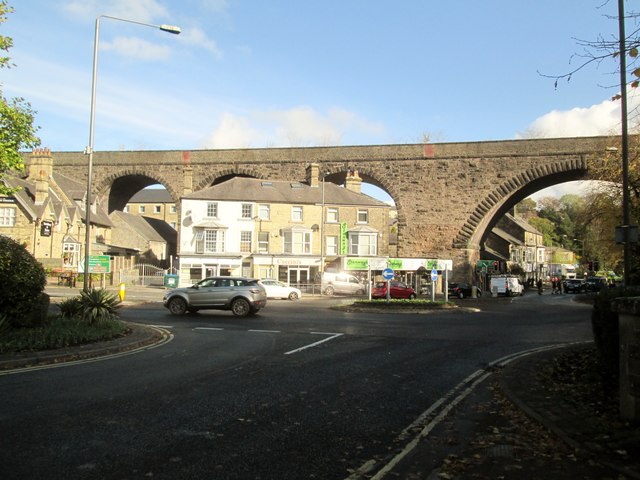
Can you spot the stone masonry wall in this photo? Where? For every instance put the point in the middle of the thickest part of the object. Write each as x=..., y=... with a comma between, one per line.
x=447, y=195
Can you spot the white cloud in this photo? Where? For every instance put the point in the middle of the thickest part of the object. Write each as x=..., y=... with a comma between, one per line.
x=600, y=119
x=300, y=126
x=216, y=5
x=233, y=132
x=137, y=48
x=197, y=37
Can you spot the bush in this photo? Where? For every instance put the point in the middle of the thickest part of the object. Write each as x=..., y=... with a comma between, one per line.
x=39, y=316
x=70, y=308
x=98, y=306
x=22, y=280
x=62, y=332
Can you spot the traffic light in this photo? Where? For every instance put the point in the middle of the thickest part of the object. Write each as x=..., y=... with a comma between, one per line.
x=596, y=265
x=496, y=265
x=590, y=266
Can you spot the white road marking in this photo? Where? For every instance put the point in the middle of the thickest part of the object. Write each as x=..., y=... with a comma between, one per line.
x=333, y=335
x=208, y=328
x=265, y=331
x=438, y=413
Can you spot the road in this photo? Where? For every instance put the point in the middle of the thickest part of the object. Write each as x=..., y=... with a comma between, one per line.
x=299, y=391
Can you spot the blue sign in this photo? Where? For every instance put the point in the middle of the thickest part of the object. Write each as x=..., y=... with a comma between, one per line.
x=434, y=275
x=387, y=273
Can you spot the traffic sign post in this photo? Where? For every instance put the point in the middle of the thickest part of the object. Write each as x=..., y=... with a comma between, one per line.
x=387, y=274
x=434, y=280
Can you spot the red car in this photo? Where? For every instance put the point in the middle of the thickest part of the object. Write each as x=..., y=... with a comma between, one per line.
x=398, y=290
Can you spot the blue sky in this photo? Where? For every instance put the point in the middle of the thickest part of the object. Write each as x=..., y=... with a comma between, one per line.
x=251, y=73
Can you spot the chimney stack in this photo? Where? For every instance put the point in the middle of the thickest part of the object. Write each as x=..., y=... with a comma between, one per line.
x=40, y=172
x=313, y=175
x=354, y=182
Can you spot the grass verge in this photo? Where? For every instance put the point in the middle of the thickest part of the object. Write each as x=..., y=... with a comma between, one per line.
x=60, y=333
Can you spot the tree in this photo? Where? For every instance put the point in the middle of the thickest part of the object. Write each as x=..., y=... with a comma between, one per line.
x=601, y=49
x=527, y=209
x=17, y=131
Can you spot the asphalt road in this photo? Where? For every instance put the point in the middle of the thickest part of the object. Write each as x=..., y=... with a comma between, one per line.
x=299, y=391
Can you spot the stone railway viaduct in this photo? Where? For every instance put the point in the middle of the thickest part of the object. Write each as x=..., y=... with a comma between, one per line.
x=448, y=195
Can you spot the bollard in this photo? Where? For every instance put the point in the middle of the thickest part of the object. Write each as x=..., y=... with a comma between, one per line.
x=122, y=290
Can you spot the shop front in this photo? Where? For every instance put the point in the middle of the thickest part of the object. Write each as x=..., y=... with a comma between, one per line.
x=194, y=269
x=296, y=271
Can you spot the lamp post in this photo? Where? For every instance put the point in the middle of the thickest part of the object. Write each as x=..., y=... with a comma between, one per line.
x=89, y=149
x=625, y=145
x=581, y=247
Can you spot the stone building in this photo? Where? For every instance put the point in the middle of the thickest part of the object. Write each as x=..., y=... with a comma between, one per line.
x=154, y=203
x=46, y=214
x=518, y=246
x=279, y=229
x=152, y=241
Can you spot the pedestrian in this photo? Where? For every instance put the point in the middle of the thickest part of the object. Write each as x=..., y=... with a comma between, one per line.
x=539, y=285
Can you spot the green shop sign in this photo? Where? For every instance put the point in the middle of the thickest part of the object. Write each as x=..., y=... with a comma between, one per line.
x=344, y=241
x=357, y=264
x=395, y=263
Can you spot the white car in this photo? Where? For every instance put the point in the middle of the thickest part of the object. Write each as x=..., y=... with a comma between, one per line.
x=278, y=289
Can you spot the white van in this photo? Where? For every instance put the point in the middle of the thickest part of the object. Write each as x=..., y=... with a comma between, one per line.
x=506, y=285
x=341, y=283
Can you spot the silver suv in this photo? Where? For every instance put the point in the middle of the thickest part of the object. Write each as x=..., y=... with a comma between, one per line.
x=243, y=296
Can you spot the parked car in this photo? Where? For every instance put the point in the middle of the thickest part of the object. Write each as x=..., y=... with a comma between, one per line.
x=243, y=296
x=398, y=290
x=574, y=285
x=595, y=284
x=278, y=289
x=461, y=290
x=343, y=283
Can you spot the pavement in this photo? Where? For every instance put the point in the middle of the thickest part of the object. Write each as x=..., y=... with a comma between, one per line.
x=510, y=425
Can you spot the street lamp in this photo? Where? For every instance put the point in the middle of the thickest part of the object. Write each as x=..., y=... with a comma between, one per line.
x=89, y=149
x=581, y=247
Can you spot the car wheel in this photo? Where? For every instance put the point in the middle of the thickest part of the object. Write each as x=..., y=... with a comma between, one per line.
x=460, y=295
x=412, y=296
x=293, y=296
x=240, y=307
x=177, y=306
x=329, y=290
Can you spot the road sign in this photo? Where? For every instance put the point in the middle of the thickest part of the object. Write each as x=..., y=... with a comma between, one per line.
x=99, y=264
x=387, y=273
x=434, y=275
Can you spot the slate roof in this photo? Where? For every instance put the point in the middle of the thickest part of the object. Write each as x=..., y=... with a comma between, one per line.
x=152, y=195
x=151, y=229
x=59, y=196
x=281, y=191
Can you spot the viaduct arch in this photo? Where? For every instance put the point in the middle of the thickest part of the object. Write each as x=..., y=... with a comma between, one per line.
x=448, y=195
